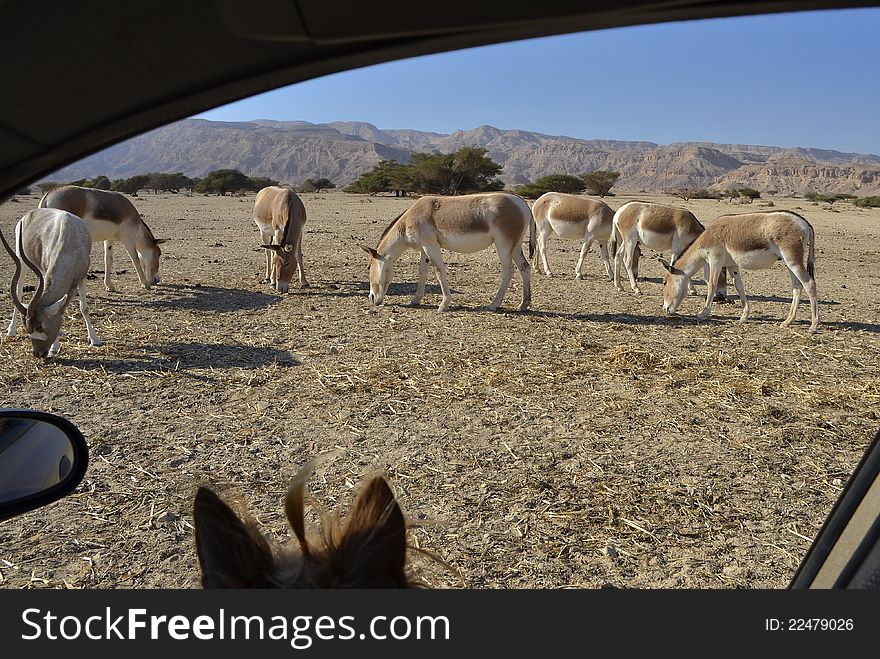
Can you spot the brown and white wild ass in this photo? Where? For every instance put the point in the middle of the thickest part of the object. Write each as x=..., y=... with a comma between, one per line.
x=750, y=241
x=281, y=217
x=110, y=216
x=659, y=227
x=573, y=218
x=465, y=224
x=56, y=246
x=369, y=551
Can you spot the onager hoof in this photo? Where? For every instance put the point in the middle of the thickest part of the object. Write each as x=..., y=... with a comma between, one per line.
x=578, y=276
x=524, y=306
x=703, y=315
x=97, y=343
x=443, y=307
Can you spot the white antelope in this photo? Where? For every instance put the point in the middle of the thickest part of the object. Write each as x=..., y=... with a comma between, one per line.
x=110, y=216
x=573, y=218
x=281, y=217
x=56, y=246
x=659, y=227
x=750, y=241
x=465, y=224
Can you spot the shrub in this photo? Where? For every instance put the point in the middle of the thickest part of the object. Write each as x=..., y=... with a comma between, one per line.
x=552, y=183
x=600, y=182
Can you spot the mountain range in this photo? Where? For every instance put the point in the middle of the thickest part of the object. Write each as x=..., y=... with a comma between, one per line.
x=291, y=151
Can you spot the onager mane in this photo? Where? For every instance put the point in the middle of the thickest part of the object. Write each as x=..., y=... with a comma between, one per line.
x=368, y=550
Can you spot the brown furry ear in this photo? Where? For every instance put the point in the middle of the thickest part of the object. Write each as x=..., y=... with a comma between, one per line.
x=372, y=551
x=232, y=554
x=671, y=269
x=372, y=252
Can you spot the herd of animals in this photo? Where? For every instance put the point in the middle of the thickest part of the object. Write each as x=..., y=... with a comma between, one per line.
x=54, y=241
x=369, y=550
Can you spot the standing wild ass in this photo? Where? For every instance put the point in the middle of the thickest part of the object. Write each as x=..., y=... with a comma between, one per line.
x=573, y=218
x=465, y=224
x=281, y=217
x=659, y=227
x=750, y=241
x=110, y=216
x=56, y=246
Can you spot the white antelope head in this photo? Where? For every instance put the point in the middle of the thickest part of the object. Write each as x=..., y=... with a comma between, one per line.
x=43, y=323
x=675, y=287
x=381, y=270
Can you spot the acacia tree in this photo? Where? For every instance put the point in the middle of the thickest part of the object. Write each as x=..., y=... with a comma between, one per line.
x=600, y=182
x=552, y=183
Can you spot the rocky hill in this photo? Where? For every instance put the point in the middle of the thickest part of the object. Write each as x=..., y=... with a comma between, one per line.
x=290, y=151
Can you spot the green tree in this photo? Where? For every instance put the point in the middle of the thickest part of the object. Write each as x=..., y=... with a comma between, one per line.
x=130, y=185
x=316, y=185
x=222, y=181
x=600, y=182
x=46, y=186
x=551, y=183
x=867, y=202
x=694, y=193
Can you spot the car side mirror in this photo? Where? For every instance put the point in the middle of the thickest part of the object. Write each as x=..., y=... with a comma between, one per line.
x=43, y=457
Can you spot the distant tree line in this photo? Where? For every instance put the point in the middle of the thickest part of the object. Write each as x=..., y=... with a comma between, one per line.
x=220, y=181
x=315, y=185
x=597, y=183
x=467, y=170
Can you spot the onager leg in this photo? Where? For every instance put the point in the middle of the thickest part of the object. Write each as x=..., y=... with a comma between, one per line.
x=423, y=274
x=712, y=287
x=628, y=263
x=108, y=265
x=13, y=324
x=585, y=248
x=432, y=251
x=84, y=310
x=136, y=262
x=618, y=255
x=800, y=276
x=525, y=270
x=603, y=250
x=740, y=289
x=543, y=235
x=505, y=257
x=300, y=264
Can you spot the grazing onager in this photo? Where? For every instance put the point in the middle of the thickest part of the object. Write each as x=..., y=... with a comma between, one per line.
x=370, y=551
x=573, y=218
x=110, y=216
x=659, y=227
x=56, y=246
x=465, y=224
x=750, y=241
x=281, y=217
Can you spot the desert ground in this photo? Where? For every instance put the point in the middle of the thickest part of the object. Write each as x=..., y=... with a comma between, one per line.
x=590, y=442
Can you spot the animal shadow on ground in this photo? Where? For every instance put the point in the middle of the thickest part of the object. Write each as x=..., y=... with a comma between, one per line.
x=213, y=298
x=184, y=357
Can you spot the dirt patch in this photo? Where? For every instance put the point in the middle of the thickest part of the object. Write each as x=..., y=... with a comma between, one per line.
x=590, y=442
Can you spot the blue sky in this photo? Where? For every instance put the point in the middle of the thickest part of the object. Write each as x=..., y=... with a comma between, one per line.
x=803, y=79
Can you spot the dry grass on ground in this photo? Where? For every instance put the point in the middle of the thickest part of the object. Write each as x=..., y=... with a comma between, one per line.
x=590, y=442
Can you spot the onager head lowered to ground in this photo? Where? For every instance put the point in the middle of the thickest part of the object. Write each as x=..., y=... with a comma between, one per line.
x=465, y=224
x=368, y=551
x=281, y=217
x=110, y=216
x=56, y=246
x=751, y=241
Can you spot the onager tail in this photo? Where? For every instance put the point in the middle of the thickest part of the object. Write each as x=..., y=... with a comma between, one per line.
x=42, y=203
x=811, y=258
x=532, y=237
x=614, y=234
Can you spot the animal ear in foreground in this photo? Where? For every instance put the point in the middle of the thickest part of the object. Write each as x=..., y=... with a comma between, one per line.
x=372, y=252
x=367, y=551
